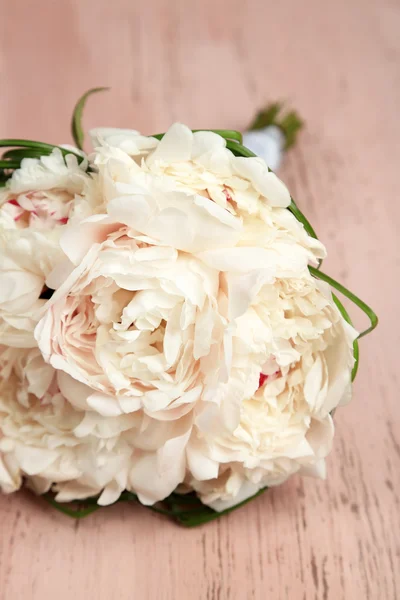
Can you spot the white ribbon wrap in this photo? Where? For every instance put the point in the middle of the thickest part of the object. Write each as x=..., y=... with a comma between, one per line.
x=269, y=143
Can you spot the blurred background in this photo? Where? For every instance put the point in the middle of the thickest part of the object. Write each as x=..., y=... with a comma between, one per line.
x=214, y=63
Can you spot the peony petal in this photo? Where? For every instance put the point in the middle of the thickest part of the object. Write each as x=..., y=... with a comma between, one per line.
x=320, y=436
x=243, y=288
x=317, y=469
x=279, y=261
x=206, y=141
x=34, y=460
x=201, y=466
x=74, y=490
x=9, y=482
x=110, y=494
x=247, y=490
x=128, y=140
x=264, y=181
x=154, y=476
x=313, y=383
x=175, y=146
x=104, y=405
x=172, y=343
x=177, y=221
x=77, y=240
x=75, y=392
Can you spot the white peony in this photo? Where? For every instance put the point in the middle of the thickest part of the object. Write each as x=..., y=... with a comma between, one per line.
x=286, y=426
x=134, y=323
x=52, y=444
x=45, y=439
x=34, y=207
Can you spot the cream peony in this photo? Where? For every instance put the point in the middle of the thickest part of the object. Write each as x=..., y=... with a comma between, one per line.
x=190, y=192
x=286, y=426
x=134, y=323
x=52, y=444
x=34, y=207
x=185, y=342
x=45, y=439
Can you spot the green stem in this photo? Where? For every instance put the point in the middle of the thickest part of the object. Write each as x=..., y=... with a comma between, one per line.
x=239, y=149
x=75, y=514
x=76, y=124
x=42, y=146
x=10, y=164
x=208, y=514
x=20, y=153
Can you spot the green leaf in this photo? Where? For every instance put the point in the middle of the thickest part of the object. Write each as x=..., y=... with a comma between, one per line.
x=239, y=149
x=290, y=124
x=71, y=512
x=186, y=509
x=76, y=124
x=228, y=134
x=9, y=164
x=199, y=514
x=266, y=117
x=3, y=178
x=20, y=153
x=45, y=149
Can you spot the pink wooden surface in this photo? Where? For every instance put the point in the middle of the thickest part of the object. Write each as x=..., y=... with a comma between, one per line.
x=212, y=64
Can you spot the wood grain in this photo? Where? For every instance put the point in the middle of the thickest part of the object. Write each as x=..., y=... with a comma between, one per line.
x=212, y=64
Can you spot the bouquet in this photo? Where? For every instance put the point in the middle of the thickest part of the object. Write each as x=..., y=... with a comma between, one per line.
x=167, y=334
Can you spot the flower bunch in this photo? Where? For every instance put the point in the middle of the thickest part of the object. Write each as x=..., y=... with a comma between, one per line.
x=166, y=332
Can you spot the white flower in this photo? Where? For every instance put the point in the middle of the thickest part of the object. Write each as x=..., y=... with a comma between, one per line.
x=196, y=163
x=56, y=446
x=286, y=426
x=45, y=439
x=190, y=192
x=34, y=208
x=132, y=322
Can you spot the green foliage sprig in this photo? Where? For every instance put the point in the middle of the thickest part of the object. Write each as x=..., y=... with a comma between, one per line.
x=289, y=123
x=76, y=124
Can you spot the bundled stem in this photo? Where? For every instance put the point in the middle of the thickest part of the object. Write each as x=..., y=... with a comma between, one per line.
x=290, y=124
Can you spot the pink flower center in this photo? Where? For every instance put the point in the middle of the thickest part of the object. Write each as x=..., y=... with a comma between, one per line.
x=264, y=378
x=227, y=195
x=38, y=209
